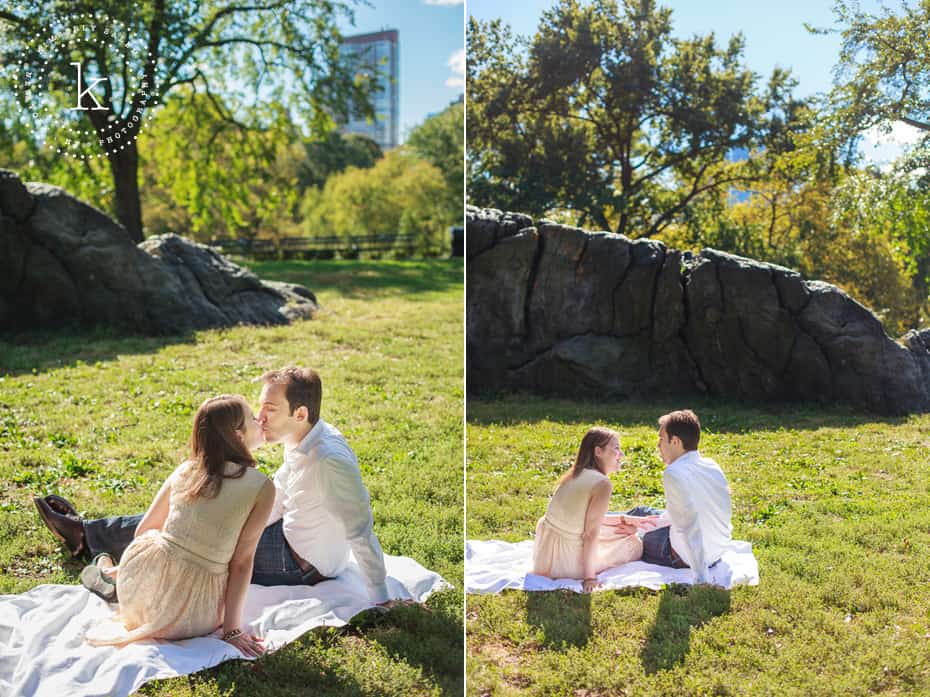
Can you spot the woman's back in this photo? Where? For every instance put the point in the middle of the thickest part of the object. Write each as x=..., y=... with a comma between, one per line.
x=558, y=551
x=209, y=527
x=569, y=503
x=172, y=582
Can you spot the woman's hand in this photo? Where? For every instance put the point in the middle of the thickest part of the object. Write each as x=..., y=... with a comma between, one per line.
x=648, y=522
x=590, y=584
x=248, y=644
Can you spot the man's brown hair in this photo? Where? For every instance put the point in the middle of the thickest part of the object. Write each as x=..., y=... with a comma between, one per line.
x=684, y=424
x=302, y=387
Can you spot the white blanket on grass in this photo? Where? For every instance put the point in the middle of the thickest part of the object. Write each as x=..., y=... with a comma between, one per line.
x=492, y=566
x=42, y=652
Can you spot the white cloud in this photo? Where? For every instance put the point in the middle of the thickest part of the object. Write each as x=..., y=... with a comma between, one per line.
x=457, y=64
x=882, y=149
x=445, y=2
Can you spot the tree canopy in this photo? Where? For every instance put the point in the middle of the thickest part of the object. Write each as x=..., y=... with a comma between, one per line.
x=605, y=113
x=883, y=72
x=135, y=54
x=402, y=193
x=440, y=140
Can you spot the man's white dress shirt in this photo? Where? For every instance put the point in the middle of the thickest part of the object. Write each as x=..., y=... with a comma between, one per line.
x=698, y=509
x=327, y=509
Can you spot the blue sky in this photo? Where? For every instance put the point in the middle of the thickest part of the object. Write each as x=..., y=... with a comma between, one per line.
x=774, y=33
x=432, y=51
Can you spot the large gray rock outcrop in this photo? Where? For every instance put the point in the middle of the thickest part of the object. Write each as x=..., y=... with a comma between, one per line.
x=559, y=310
x=63, y=261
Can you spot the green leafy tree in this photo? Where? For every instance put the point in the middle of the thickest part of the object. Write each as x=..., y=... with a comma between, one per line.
x=883, y=73
x=333, y=153
x=894, y=206
x=88, y=178
x=603, y=112
x=402, y=193
x=440, y=140
x=208, y=179
x=284, y=51
x=851, y=231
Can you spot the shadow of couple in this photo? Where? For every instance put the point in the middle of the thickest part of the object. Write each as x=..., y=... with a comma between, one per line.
x=565, y=621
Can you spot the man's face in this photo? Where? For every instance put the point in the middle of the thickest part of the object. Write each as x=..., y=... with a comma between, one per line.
x=278, y=424
x=667, y=450
x=252, y=434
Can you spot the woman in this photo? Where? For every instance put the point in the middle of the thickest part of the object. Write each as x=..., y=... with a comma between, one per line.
x=188, y=569
x=573, y=539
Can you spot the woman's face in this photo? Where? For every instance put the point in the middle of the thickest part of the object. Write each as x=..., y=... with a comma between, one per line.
x=610, y=456
x=251, y=429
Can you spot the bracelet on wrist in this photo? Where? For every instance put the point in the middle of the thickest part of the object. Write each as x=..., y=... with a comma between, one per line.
x=232, y=634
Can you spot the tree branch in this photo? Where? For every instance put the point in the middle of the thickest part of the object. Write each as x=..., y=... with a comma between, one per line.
x=204, y=33
x=13, y=19
x=922, y=125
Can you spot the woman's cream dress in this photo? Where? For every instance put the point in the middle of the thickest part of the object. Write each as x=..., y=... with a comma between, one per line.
x=172, y=582
x=558, y=549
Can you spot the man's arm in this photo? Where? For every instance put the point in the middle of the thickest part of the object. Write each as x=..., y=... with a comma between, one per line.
x=682, y=512
x=347, y=499
x=280, y=480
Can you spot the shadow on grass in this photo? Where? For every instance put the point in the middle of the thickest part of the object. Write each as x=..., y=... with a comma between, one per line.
x=717, y=415
x=681, y=608
x=412, y=635
x=417, y=635
x=563, y=616
x=289, y=671
x=356, y=279
x=40, y=350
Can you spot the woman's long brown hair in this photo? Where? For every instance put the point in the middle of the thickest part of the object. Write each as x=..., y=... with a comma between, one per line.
x=596, y=437
x=215, y=440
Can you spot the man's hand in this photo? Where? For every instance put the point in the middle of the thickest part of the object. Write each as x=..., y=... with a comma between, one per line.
x=623, y=529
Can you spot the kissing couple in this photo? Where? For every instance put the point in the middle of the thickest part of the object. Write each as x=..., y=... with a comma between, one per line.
x=578, y=538
x=218, y=523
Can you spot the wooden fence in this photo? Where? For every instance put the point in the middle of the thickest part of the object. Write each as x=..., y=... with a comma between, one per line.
x=316, y=247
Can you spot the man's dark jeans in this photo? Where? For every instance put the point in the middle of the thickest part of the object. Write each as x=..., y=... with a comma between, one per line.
x=657, y=547
x=274, y=563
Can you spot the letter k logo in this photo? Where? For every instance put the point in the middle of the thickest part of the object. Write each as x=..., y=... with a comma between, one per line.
x=88, y=92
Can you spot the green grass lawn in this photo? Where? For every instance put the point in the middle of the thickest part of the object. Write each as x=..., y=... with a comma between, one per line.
x=834, y=502
x=102, y=418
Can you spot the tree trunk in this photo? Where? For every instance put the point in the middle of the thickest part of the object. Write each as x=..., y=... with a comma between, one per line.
x=124, y=166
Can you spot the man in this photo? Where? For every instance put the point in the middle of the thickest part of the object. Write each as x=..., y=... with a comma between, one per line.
x=321, y=510
x=695, y=528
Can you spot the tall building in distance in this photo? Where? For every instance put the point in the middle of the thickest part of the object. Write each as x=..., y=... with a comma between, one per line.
x=378, y=52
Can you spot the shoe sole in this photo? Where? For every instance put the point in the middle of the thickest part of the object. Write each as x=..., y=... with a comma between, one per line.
x=92, y=580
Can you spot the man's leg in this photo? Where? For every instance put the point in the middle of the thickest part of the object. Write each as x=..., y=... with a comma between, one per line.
x=657, y=547
x=110, y=535
x=275, y=565
x=641, y=511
